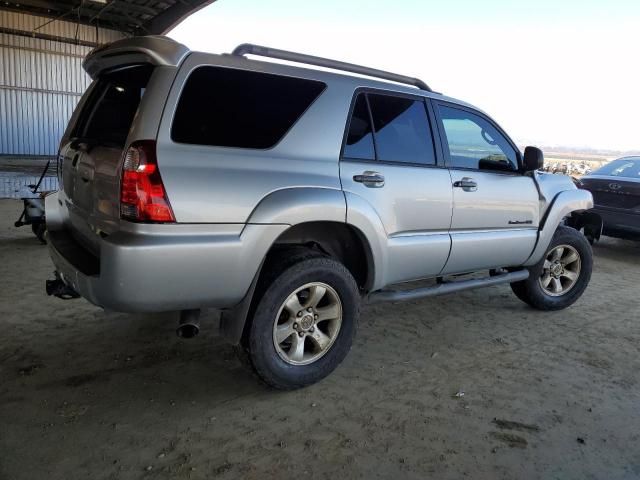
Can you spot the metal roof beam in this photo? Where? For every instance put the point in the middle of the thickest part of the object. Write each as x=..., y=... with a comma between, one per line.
x=60, y=7
x=118, y=15
x=133, y=7
x=169, y=18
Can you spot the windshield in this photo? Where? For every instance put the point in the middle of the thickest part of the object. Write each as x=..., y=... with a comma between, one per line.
x=623, y=167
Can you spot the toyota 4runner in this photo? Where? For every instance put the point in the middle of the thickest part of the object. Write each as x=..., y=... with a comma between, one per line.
x=286, y=197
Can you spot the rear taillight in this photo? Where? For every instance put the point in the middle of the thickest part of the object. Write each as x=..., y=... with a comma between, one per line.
x=142, y=194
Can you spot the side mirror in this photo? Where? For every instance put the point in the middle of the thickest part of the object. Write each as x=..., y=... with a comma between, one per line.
x=533, y=159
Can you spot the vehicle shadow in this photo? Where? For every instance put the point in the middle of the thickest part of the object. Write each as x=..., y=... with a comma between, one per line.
x=616, y=249
x=27, y=241
x=118, y=356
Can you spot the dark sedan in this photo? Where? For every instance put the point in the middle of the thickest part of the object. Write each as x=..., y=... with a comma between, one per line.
x=616, y=196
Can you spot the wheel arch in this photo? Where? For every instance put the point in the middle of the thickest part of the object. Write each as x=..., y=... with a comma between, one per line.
x=339, y=240
x=302, y=208
x=565, y=204
x=328, y=234
x=292, y=206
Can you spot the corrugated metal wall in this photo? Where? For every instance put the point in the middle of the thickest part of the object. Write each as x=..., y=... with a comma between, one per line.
x=40, y=81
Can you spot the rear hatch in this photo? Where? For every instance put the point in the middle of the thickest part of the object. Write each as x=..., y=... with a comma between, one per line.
x=613, y=192
x=91, y=154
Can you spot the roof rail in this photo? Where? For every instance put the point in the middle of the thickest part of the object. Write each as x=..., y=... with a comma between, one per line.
x=249, y=48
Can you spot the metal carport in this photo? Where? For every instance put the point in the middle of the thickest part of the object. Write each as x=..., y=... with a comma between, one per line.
x=42, y=44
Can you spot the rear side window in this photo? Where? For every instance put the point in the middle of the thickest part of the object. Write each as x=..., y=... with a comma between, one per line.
x=397, y=130
x=109, y=111
x=475, y=143
x=237, y=108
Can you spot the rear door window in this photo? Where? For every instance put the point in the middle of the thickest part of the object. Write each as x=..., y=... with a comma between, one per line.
x=359, y=143
x=238, y=108
x=389, y=128
x=108, y=114
x=401, y=129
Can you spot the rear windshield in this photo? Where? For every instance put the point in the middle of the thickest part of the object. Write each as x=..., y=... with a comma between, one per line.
x=239, y=108
x=623, y=167
x=107, y=116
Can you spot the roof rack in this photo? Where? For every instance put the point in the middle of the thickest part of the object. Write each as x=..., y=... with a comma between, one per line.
x=249, y=48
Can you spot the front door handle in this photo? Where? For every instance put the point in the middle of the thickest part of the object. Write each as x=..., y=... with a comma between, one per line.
x=467, y=184
x=370, y=179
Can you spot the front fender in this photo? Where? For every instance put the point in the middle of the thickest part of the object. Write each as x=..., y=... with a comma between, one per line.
x=563, y=205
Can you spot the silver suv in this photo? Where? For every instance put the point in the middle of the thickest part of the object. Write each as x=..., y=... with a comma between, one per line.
x=286, y=197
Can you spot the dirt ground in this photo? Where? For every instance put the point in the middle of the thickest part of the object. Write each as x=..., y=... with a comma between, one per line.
x=85, y=394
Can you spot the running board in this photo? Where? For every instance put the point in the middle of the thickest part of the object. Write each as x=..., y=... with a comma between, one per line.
x=446, y=287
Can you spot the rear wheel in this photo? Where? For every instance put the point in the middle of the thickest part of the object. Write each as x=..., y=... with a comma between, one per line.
x=303, y=323
x=562, y=275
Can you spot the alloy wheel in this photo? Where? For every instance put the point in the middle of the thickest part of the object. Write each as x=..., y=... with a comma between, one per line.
x=307, y=324
x=560, y=271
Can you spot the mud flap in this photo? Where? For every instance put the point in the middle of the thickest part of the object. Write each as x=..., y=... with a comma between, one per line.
x=233, y=320
x=589, y=222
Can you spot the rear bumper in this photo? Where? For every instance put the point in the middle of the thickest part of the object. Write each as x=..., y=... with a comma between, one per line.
x=617, y=222
x=154, y=268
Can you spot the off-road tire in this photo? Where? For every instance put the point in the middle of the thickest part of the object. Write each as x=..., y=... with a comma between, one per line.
x=530, y=290
x=277, y=283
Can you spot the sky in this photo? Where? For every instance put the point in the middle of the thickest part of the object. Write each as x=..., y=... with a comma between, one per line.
x=550, y=72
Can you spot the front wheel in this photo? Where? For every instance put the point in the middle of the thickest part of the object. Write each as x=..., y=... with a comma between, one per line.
x=304, y=323
x=562, y=275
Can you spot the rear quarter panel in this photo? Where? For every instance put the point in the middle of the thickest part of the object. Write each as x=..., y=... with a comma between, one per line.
x=208, y=184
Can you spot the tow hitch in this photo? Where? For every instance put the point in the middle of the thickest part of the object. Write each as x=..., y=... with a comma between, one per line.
x=59, y=289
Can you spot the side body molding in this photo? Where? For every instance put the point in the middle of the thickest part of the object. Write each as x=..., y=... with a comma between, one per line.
x=563, y=204
x=292, y=206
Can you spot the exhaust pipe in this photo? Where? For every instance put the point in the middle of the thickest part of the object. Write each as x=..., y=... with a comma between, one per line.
x=189, y=325
x=59, y=289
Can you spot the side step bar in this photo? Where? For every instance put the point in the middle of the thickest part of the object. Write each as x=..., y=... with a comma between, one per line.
x=446, y=287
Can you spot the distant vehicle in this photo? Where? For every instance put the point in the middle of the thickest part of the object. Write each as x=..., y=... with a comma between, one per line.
x=616, y=195
x=571, y=168
x=582, y=169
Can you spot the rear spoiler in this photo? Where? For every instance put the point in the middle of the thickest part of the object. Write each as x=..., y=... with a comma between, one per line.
x=156, y=50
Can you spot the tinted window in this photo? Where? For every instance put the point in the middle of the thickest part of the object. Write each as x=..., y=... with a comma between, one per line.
x=108, y=114
x=237, y=108
x=475, y=143
x=401, y=128
x=359, y=142
x=623, y=167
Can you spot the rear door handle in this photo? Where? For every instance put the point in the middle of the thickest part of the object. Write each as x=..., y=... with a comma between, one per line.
x=467, y=184
x=370, y=179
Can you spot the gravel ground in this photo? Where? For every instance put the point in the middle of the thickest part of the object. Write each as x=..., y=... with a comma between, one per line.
x=86, y=394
